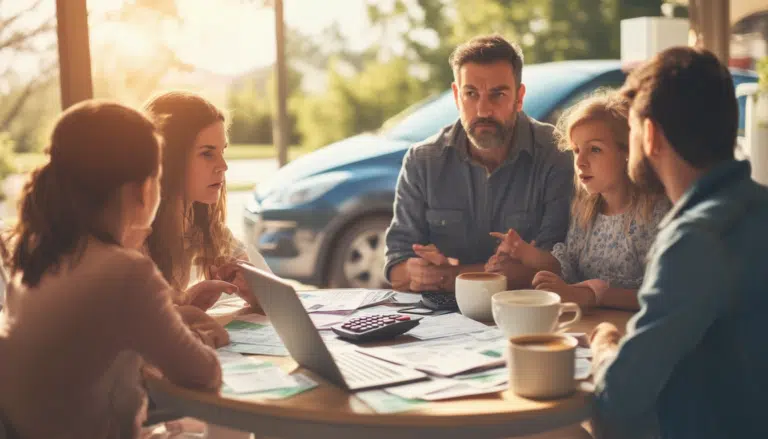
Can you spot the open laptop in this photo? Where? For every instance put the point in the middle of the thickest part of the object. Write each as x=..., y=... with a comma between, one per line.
x=345, y=368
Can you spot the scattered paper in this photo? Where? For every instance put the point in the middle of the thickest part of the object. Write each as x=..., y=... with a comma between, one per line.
x=406, y=298
x=229, y=358
x=326, y=321
x=421, y=388
x=252, y=333
x=376, y=297
x=254, y=349
x=581, y=337
x=583, y=369
x=333, y=342
x=227, y=306
x=245, y=378
x=440, y=361
x=303, y=383
x=462, y=390
x=486, y=379
x=583, y=352
x=489, y=334
x=383, y=402
x=446, y=326
x=333, y=300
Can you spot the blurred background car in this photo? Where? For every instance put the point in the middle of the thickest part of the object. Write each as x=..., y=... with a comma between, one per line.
x=322, y=219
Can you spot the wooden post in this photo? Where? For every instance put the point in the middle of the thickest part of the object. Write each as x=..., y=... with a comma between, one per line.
x=710, y=20
x=74, y=52
x=280, y=120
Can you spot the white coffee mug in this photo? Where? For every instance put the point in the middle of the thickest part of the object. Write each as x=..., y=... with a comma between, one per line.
x=474, y=292
x=542, y=365
x=521, y=312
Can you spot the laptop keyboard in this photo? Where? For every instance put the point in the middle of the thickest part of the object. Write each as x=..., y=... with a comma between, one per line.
x=359, y=368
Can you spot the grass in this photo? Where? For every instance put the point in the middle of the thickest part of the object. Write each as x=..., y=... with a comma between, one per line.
x=28, y=161
x=240, y=186
x=243, y=151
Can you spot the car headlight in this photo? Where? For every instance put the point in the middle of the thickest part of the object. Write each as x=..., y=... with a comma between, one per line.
x=306, y=190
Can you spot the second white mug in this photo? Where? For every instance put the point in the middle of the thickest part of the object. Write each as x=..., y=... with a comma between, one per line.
x=521, y=312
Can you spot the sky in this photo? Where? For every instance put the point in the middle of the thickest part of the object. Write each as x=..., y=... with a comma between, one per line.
x=227, y=37
x=233, y=36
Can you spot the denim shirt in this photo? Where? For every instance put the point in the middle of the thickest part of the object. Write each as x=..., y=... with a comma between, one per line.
x=695, y=358
x=445, y=198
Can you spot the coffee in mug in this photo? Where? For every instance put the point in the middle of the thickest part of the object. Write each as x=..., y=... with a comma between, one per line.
x=521, y=312
x=474, y=292
x=542, y=365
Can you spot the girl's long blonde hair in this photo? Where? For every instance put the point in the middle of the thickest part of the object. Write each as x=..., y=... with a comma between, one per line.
x=610, y=108
x=185, y=233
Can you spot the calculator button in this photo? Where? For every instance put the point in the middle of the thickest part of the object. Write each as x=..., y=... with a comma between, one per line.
x=403, y=318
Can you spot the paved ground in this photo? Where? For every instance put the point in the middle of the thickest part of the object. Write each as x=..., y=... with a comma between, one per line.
x=240, y=171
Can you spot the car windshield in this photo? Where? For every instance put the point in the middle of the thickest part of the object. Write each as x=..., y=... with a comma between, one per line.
x=546, y=85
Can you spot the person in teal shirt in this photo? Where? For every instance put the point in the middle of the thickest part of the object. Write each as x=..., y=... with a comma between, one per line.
x=694, y=360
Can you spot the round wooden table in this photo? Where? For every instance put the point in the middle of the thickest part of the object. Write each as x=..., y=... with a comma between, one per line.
x=328, y=411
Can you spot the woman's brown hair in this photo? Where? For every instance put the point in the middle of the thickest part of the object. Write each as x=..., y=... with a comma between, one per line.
x=184, y=233
x=96, y=147
x=610, y=108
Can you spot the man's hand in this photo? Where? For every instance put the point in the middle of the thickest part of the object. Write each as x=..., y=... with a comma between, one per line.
x=582, y=296
x=433, y=255
x=205, y=293
x=208, y=329
x=604, y=342
x=426, y=276
x=604, y=336
x=432, y=270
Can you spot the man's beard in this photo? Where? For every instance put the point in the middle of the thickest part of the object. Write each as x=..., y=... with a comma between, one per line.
x=498, y=138
x=644, y=176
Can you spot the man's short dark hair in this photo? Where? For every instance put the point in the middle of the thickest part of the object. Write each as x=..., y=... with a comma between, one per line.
x=486, y=50
x=690, y=95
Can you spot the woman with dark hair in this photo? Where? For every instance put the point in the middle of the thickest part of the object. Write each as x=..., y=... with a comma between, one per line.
x=83, y=306
x=190, y=241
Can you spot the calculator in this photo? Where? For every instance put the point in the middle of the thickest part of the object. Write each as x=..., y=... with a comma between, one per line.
x=439, y=301
x=375, y=327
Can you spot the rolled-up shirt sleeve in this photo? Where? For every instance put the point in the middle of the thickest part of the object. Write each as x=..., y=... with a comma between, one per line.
x=685, y=289
x=558, y=192
x=408, y=225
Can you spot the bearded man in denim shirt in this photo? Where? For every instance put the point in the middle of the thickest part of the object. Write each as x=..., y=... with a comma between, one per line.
x=694, y=361
x=494, y=169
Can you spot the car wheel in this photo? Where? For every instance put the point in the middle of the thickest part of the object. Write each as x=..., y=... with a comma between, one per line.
x=358, y=259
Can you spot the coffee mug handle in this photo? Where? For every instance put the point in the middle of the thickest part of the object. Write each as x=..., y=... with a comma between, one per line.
x=568, y=307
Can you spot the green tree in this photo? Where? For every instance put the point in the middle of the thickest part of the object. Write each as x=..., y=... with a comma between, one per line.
x=359, y=102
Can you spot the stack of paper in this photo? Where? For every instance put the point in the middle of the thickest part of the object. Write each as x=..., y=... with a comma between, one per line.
x=440, y=360
x=384, y=402
x=247, y=375
x=343, y=300
x=248, y=337
x=445, y=326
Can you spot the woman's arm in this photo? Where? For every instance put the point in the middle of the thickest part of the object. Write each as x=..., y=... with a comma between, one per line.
x=157, y=332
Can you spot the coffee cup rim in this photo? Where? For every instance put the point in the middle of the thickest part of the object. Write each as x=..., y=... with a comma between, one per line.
x=568, y=339
x=484, y=273
x=497, y=298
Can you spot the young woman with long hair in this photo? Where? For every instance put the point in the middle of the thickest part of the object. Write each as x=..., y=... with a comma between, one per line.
x=190, y=241
x=84, y=308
